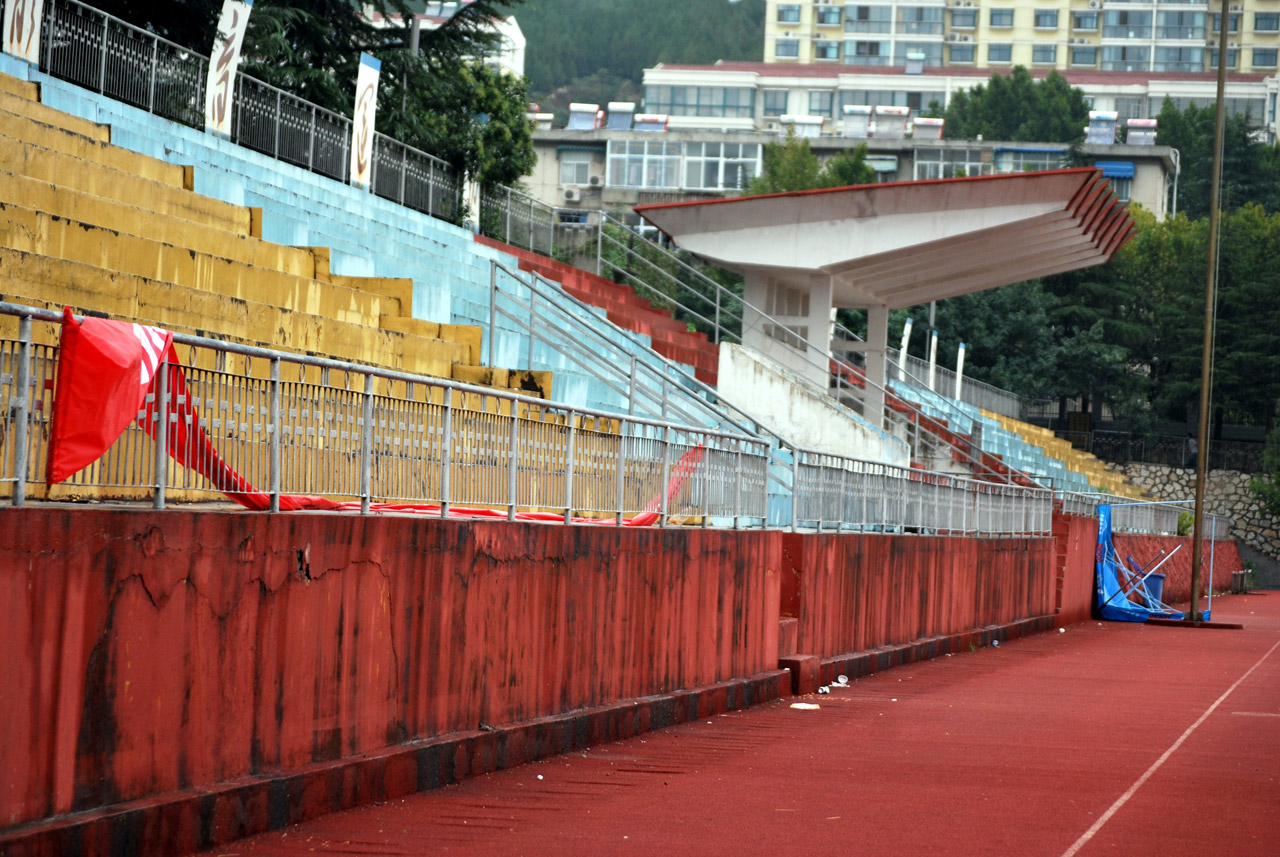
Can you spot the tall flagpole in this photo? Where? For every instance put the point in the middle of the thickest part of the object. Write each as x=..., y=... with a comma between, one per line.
x=1210, y=289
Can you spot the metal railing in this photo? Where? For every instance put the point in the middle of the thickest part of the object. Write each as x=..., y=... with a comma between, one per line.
x=294, y=424
x=837, y=492
x=1170, y=450
x=97, y=51
x=1152, y=518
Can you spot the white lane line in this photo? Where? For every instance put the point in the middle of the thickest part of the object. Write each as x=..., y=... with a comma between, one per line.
x=1155, y=766
x=1256, y=713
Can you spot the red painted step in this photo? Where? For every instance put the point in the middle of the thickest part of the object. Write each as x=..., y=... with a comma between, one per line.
x=669, y=337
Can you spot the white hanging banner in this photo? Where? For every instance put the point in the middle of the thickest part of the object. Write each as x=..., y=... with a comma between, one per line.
x=22, y=29
x=224, y=59
x=362, y=124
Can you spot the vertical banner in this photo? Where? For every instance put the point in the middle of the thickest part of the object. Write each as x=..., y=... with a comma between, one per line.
x=362, y=122
x=22, y=29
x=224, y=59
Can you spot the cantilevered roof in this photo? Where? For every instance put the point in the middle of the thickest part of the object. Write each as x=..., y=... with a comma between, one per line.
x=905, y=243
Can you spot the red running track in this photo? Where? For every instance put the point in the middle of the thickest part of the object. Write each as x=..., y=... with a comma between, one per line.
x=1105, y=739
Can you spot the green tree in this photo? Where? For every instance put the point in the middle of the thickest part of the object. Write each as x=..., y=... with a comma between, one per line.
x=791, y=165
x=1266, y=485
x=1250, y=169
x=1017, y=107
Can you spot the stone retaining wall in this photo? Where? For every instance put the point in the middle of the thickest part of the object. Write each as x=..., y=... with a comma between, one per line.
x=1227, y=493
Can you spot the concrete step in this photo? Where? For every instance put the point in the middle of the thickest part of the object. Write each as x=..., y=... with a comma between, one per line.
x=71, y=172
x=28, y=277
x=33, y=109
x=17, y=86
x=48, y=235
x=87, y=148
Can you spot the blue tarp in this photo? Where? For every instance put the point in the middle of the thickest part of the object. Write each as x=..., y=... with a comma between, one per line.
x=1111, y=577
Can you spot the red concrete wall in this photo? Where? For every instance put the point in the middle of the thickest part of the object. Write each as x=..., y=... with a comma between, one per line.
x=1177, y=571
x=851, y=593
x=145, y=652
x=1076, y=543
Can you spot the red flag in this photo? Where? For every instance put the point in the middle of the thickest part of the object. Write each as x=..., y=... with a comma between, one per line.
x=104, y=371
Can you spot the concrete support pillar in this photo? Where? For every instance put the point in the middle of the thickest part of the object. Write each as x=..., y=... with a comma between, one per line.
x=877, y=349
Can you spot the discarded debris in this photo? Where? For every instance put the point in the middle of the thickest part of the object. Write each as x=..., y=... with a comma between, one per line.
x=806, y=706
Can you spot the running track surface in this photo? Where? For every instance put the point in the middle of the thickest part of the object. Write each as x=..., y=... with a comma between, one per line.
x=1105, y=739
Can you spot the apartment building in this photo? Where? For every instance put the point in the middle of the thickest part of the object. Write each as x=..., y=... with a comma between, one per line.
x=743, y=96
x=1101, y=35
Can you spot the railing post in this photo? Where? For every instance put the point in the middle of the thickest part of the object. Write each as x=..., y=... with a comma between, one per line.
x=533, y=319
x=274, y=427
x=275, y=143
x=506, y=208
x=493, y=307
x=666, y=476
x=795, y=489
x=446, y=452
x=568, y=470
x=311, y=141
x=102, y=66
x=715, y=333
x=600, y=244
x=404, y=174
x=620, y=474
x=161, y=411
x=431, y=188
x=631, y=390
x=737, y=489
x=20, y=395
x=366, y=446
x=513, y=458
x=151, y=86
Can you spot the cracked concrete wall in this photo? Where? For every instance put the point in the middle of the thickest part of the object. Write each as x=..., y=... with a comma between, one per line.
x=147, y=652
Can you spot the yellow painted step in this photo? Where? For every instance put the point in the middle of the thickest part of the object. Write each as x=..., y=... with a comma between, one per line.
x=68, y=171
x=27, y=278
x=523, y=381
x=17, y=86
x=33, y=109
x=469, y=335
x=70, y=143
x=47, y=235
x=78, y=205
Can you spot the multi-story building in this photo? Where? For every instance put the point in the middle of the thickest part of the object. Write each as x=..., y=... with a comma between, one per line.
x=745, y=96
x=1099, y=35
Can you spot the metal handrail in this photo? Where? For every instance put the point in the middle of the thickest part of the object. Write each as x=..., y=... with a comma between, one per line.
x=167, y=79
x=419, y=439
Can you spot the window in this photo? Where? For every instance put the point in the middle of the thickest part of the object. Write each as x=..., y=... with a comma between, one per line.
x=1084, y=21
x=826, y=50
x=914, y=20
x=1044, y=54
x=1116, y=58
x=1002, y=18
x=964, y=19
x=647, y=163
x=1130, y=107
x=948, y=163
x=828, y=16
x=821, y=102
x=1046, y=19
x=1027, y=160
x=719, y=101
x=1126, y=25
x=1123, y=188
x=575, y=168
x=789, y=14
x=1266, y=22
x=866, y=53
x=1084, y=56
x=786, y=48
x=1264, y=57
x=720, y=166
x=932, y=52
x=961, y=53
x=999, y=53
x=1233, y=22
x=869, y=19
x=1179, y=59
x=1180, y=25
x=783, y=302
x=1233, y=58
x=775, y=102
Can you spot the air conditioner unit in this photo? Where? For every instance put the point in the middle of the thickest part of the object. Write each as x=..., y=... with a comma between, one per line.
x=965, y=37
x=572, y=194
x=1077, y=41
x=1237, y=7
x=596, y=181
x=1095, y=4
x=1232, y=45
x=953, y=37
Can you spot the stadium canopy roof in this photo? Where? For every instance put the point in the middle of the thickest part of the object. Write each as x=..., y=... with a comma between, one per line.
x=905, y=243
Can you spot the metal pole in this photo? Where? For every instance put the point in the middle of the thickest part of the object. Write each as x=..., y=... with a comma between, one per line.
x=620, y=475
x=513, y=454
x=631, y=392
x=366, y=447
x=533, y=320
x=493, y=305
x=446, y=452
x=737, y=490
x=20, y=395
x=568, y=470
x=274, y=428
x=795, y=489
x=161, y=411
x=666, y=476
x=102, y=66
x=1210, y=299
x=151, y=86
x=600, y=245
x=715, y=334
x=275, y=142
